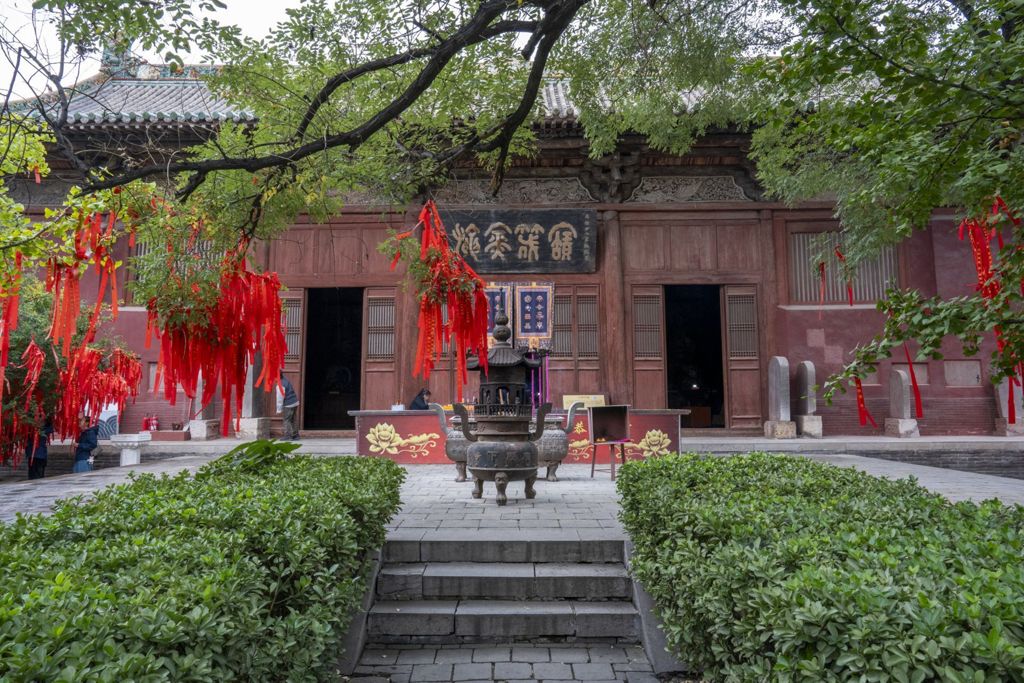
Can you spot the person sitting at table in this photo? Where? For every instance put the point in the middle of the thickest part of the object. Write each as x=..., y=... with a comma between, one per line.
x=421, y=400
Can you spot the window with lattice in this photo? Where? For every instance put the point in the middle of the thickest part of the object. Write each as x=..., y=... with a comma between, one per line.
x=871, y=277
x=380, y=328
x=647, y=333
x=575, y=327
x=291, y=315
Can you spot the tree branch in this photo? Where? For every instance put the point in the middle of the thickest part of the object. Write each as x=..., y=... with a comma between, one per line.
x=477, y=29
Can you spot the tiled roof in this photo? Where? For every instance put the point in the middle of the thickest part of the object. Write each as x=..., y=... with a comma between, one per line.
x=554, y=97
x=152, y=96
x=126, y=101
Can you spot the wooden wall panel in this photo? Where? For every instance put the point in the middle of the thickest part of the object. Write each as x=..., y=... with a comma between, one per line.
x=294, y=253
x=643, y=247
x=374, y=262
x=338, y=251
x=693, y=247
x=739, y=247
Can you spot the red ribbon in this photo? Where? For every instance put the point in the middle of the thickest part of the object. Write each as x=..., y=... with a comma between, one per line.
x=821, y=289
x=862, y=408
x=849, y=284
x=918, y=409
x=220, y=343
x=453, y=282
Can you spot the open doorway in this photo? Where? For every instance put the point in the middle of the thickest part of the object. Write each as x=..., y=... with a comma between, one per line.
x=334, y=354
x=693, y=358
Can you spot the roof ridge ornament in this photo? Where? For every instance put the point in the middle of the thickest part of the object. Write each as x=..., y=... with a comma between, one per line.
x=117, y=60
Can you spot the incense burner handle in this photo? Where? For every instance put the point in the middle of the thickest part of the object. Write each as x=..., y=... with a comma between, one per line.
x=573, y=409
x=441, y=417
x=538, y=428
x=461, y=411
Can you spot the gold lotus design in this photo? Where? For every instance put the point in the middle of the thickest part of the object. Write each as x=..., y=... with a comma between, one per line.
x=384, y=438
x=655, y=443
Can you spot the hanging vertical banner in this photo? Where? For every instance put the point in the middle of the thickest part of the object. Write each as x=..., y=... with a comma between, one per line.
x=534, y=309
x=498, y=294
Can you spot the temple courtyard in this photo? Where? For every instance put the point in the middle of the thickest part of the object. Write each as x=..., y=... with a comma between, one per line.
x=537, y=590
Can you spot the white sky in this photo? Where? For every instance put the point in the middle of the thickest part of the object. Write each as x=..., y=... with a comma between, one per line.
x=254, y=17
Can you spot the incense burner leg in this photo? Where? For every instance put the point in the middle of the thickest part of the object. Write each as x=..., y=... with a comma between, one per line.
x=530, y=491
x=552, y=468
x=478, y=487
x=460, y=468
x=500, y=482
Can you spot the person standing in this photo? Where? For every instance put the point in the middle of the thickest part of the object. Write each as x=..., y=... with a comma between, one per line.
x=88, y=440
x=36, y=450
x=289, y=405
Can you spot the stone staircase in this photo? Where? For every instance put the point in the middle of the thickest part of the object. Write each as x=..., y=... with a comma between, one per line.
x=493, y=590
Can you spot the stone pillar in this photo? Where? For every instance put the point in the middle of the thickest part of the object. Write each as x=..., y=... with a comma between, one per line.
x=253, y=424
x=900, y=423
x=779, y=425
x=206, y=426
x=131, y=446
x=1003, y=426
x=807, y=423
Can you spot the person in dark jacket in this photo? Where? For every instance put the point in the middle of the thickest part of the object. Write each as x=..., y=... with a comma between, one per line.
x=421, y=400
x=289, y=406
x=36, y=450
x=88, y=440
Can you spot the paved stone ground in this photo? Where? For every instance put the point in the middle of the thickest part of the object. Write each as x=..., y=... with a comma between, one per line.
x=953, y=484
x=432, y=501
x=576, y=504
x=39, y=495
x=512, y=663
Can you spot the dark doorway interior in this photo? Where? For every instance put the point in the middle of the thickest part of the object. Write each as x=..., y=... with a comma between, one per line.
x=693, y=346
x=334, y=337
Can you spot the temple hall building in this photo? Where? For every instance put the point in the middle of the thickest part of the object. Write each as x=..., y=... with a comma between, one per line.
x=674, y=278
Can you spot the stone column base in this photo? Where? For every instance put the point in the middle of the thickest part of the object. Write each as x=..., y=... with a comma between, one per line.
x=901, y=428
x=809, y=426
x=1005, y=428
x=253, y=428
x=779, y=430
x=204, y=430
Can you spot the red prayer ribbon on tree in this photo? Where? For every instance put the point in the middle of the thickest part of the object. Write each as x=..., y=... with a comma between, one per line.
x=862, y=407
x=849, y=284
x=221, y=344
x=980, y=233
x=821, y=289
x=452, y=282
x=918, y=408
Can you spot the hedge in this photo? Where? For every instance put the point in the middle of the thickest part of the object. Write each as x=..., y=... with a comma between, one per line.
x=777, y=568
x=249, y=571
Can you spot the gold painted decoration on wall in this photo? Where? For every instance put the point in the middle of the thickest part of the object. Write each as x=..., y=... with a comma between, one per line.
x=385, y=440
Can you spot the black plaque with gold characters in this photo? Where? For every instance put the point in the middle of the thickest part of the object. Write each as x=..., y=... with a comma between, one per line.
x=525, y=240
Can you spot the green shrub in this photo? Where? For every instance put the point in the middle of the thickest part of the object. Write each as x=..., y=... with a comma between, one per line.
x=241, y=573
x=776, y=568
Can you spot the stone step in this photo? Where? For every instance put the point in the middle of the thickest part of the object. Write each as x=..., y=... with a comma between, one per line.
x=514, y=581
x=504, y=547
x=455, y=621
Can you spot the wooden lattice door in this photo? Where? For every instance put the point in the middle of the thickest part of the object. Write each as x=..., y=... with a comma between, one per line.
x=742, y=356
x=648, y=343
